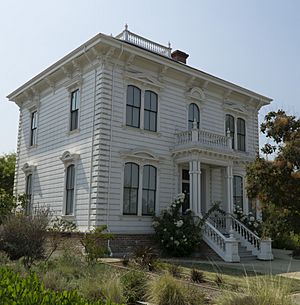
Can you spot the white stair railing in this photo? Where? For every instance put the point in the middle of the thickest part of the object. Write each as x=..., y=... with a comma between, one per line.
x=226, y=248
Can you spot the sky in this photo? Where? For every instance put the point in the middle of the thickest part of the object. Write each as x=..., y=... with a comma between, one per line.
x=254, y=43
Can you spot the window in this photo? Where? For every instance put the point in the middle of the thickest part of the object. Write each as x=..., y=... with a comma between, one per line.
x=150, y=111
x=149, y=190
x=238, y=191
x=33, y=128
x=229, y=125
x=70, y=186
x=74, y=110
x=133, y=106
x=194, y=115
x=241, y=134
x=28, y=194
x=131, y=188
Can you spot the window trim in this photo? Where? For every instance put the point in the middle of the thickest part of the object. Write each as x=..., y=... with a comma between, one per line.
x=149, y=189
x=71, y=189
x=235, y=141
x=188, y=114
x=150, y=110
x=239, y=134
x=33, y=130
x=68, y=159
x=242, y=196
x=143, y=88
x=29, y=193
x=77, y=110
x=137, y=189
x=141, y=162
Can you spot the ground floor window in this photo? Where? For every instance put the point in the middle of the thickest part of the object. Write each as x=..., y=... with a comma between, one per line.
x=133, y=185
x=28, y=193
x=238, y=191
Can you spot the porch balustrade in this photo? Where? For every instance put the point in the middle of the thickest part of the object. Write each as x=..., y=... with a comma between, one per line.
x=203, y=138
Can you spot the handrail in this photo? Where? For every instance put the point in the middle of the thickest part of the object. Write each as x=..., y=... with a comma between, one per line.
x=214, y=235
x=249, y=237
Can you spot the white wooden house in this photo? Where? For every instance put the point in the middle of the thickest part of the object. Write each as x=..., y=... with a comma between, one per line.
x=110, y=133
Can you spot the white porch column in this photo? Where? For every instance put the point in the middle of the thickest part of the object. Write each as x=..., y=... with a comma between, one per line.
x=195, y=186
x=229, y=189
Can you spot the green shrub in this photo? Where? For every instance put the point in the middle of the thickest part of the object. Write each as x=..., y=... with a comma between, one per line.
x=174, y=270
x=4, y=258
x=166, y=291
x=134, y=285
x=25, y=236
x=177, y=233
x=145, y=257
x=112, y=289
x=260, y=291
x=17, y=290
x=94, y=243
x=197, y=276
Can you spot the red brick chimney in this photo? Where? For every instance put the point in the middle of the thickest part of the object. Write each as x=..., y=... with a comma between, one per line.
x=179, y=56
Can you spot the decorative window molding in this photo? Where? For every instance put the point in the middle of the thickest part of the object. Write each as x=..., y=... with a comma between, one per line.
x=141, y=155
x=70, y=161
x=196, y=94
x=29, y=171
x=69, y=158
x=235, y=108
x=74, y=83
x=28, y=168
x=143, y=79
x=138, y=113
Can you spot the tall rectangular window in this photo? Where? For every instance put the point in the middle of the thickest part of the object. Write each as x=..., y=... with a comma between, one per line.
x=241, y=134
x=70, y=186
x=28, y=194
x=229, y=125
x=133, y=106
x=33, y=128
x=74, y=110
x=150, y=111
x=238, y=191
x=149, y=190
x=131, y=188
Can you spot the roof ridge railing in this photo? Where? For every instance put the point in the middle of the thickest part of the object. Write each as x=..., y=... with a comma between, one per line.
x=145, y=43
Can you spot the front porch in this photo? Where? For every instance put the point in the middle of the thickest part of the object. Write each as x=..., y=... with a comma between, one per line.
x=208, y=171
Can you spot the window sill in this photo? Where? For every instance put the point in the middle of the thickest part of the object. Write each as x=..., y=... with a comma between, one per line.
x=72, y=132
x=68, y=217
x=142, y=131
x=33, y=146
x=139, y=217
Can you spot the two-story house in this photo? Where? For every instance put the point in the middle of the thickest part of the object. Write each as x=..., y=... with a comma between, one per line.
x=110, y=133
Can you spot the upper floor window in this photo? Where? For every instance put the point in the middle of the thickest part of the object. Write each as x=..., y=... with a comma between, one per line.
x=28, y=194
x=149, y=190
x=194, y=115
x=74, y=110
x=131, y=187
x=133, y=106
x=230, y=125
x=241, y=134
x=237, y=128
x=70, y=189
x=150, y=111
x=33, y=128
x=238, y=191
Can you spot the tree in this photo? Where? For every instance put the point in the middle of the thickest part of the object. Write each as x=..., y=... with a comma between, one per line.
x=276, y=183
x=7, y=172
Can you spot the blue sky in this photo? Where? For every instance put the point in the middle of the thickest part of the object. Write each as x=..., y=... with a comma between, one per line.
x=254, y=43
